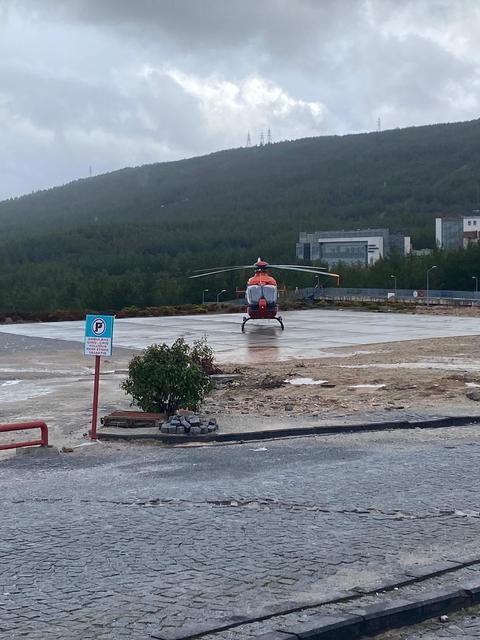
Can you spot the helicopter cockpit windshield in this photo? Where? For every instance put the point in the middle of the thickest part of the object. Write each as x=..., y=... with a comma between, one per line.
x=255, y=292
x=270, y=293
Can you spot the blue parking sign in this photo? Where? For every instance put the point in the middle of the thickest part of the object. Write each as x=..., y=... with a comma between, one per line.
x=98, y=335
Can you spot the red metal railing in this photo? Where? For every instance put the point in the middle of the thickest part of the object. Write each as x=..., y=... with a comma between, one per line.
x=22, y=426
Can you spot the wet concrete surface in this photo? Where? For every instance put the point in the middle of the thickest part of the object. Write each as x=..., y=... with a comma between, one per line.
x=307, y=333
x=51, y=380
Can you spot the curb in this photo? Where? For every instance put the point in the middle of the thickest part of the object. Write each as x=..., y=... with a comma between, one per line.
x=353, y=621
x=289, y=432
x=375, y=619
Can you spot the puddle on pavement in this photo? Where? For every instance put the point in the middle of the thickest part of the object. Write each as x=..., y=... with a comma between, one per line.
x=29, y=370
x=18, y=390
x=45, y=370
x=108, y=372
x=446, y=366
x=9, y=383
x=301, y=381
x=371, y=387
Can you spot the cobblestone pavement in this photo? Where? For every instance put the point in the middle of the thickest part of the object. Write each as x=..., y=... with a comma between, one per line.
x=306, y=617
x=111, y=542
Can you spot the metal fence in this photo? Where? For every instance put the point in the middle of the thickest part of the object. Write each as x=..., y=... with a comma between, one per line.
x=420, y=296
x=24, y=426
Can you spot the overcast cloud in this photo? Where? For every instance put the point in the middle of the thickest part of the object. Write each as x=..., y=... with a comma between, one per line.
x=114, y=83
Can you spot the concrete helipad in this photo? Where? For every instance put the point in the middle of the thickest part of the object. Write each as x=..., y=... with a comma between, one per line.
x=307, y=333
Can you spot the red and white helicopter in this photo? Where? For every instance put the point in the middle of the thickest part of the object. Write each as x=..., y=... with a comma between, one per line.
x=261, y=293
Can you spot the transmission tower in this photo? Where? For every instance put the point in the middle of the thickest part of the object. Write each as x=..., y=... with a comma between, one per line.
x=262, y=138
x=249, y=140
x=379, y=125
x=269, y=136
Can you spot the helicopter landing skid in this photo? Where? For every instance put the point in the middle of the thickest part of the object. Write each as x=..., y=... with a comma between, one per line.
x=279, y=319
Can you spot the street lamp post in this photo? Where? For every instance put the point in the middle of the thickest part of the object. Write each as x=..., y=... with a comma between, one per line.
x=395, y=284
x=219, y=294
x=203, y=295
x=428, y=282
x=476, y=283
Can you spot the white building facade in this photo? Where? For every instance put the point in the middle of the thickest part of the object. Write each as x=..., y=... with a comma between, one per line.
x=360, y=247
x=457, y=232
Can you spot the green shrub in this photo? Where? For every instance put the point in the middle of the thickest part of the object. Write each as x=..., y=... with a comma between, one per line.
x=203, y=356
x=163, y=379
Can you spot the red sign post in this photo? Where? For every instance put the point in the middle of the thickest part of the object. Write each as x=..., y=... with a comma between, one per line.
x=96, y=384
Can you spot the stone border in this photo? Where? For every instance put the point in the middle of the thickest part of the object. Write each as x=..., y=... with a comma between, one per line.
x=377, y=618
x=289, y=432
x=356, y=621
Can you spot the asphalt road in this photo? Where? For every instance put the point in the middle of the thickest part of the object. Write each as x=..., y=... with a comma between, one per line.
x=108, y=543
x=307, y=333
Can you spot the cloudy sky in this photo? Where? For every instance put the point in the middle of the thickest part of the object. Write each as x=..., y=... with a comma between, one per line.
x=114, y=83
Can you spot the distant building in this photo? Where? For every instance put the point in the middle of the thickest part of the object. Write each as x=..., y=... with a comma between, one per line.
x=363, y=246
x=421, y=252
x=449, y=232
x=457, y=232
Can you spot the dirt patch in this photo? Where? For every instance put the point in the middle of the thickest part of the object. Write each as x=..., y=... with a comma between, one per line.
x=431, y=376
x=427, y=375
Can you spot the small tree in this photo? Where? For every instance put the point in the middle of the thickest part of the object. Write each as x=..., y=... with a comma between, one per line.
x=163, y=379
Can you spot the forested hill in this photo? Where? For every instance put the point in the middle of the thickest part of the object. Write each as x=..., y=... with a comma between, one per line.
x=399, y=177
x=135, y=226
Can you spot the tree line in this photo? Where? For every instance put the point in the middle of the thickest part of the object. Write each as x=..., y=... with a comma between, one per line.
x=132, y=237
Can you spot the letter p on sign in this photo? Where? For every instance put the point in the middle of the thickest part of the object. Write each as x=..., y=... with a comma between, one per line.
x=98, y=326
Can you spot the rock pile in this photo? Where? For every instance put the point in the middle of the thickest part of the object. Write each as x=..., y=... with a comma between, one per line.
x=474, y=394
x=271, y=382
x=189, y=425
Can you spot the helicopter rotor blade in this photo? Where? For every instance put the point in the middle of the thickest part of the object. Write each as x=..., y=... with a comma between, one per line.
x=298, y=266
x=305, y=270
x=285, y=267
x=240, y=266
x=212, y=273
